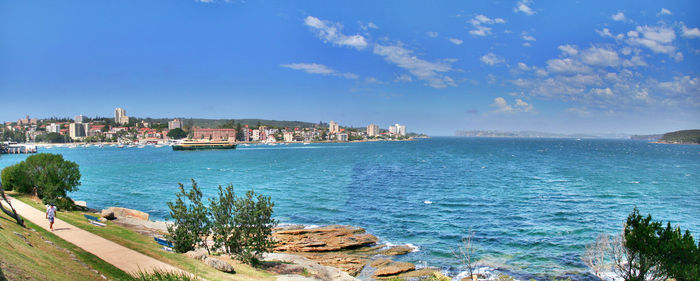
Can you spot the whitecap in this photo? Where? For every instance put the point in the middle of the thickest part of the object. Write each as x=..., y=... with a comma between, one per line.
x=427, y=202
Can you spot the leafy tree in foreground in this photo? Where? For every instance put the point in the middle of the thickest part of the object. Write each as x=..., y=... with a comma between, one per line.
x=47, y=176
x=253, y=223
x=177, y=134
x=192, y=225
x=223, y=224
x=647, y=251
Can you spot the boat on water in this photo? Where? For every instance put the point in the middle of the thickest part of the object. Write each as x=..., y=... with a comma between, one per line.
x=203, y=145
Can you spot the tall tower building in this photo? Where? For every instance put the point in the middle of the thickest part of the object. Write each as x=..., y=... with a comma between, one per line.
x=120, y=116
x=333, y=127
x=372, y=130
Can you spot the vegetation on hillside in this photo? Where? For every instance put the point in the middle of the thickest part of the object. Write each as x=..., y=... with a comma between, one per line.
x=682, y=137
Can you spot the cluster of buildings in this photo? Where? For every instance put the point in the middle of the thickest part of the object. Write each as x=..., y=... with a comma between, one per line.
x=82, y=128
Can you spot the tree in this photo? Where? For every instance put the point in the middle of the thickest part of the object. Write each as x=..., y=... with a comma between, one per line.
x=595, y=255
x=51, y=138
x=45, y=175
x=230, y=124
x=177, y=134
x=465, y=254
x=222, y=212
x=253, y=225
x=192, y=225
x=239, y=132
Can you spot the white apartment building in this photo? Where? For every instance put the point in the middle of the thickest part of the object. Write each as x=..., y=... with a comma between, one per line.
x=333, y=127
x=372, y=130
x=176, y=123
x=53, y=128
x=120, y=116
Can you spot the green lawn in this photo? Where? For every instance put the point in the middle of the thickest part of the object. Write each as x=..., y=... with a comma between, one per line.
x=147, y=246
x=56, y=260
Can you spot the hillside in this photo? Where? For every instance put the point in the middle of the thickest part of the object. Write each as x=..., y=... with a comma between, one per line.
x=682, y=137
x=214, y=123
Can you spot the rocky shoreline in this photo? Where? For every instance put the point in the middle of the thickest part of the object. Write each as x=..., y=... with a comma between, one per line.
x=334, y=252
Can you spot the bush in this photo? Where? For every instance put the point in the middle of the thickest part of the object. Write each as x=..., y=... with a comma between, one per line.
x=15, y=178
x=240, y=226
x=43, y=175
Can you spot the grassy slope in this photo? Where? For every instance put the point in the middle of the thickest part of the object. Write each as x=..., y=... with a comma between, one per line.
x=44, y=261
x=147, y=246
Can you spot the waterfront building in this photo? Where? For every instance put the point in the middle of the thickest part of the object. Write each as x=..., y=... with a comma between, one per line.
x=333, y=127
x=53, y=128
x=214, y=134
x=79, y=119
x=288, y=136
x=246, y=133
x=255, y=136
x=372, y=130
x=77, y=130
x=176, y=123
x=341, y=137
x=26, y=121
x=120, y=116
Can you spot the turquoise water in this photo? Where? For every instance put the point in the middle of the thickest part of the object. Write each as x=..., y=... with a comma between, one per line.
x=532, y=203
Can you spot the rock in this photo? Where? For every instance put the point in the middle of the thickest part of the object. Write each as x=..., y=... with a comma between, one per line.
x=394, y=268
x=108, y=214
x=380, y=262
x=397, y=251
x=124, y=212
x=199, y=254
x=219, y=265
x=318, y=271
x=323, y=239
x=80, y=204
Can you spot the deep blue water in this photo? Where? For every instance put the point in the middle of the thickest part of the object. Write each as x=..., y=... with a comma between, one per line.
x=532, y=203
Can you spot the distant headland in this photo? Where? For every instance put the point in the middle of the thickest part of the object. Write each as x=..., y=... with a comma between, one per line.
x=681, y=137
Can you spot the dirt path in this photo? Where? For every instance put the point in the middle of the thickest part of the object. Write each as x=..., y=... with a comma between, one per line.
x=122, y=257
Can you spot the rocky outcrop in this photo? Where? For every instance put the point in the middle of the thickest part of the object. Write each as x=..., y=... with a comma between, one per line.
x=315, y=270
x=323, y=239
x=219, y=265
x=397, y=251
x=392, y=268
x=198, y=254
x=124, y=212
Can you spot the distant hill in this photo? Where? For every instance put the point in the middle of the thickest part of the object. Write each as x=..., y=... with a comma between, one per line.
x=646, y=137
x=214, y=123
x=531, y=134
x=682, y=137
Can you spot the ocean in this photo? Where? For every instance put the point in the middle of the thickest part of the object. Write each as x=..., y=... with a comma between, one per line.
x=533, y=204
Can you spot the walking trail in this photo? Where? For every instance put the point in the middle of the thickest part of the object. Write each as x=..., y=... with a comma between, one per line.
x=122, y=257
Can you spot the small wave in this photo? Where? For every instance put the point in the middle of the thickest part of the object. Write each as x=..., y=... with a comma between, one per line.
x=413, y=247
x=427, y=202
x=633, y=182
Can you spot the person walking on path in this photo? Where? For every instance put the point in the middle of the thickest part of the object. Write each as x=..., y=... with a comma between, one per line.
x=51, y=214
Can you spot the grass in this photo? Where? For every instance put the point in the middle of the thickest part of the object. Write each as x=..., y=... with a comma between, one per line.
x=147, y=246
x=163, y=276
x=56, y=260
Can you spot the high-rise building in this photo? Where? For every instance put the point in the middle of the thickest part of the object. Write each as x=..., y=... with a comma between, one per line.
x=120, y=116
x=397, y=129
x=176, y=123
x=78, y=130
x=79, y=119
x=53, y=128
x=372, y=130
x=333, y=127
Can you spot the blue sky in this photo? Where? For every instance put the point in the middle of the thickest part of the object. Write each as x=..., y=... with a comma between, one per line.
x=437, y=67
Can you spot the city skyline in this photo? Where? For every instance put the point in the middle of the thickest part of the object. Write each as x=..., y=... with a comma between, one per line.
x=594, y=67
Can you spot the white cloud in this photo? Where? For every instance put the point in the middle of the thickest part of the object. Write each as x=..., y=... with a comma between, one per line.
x=527, y=44
x=523, y=66
x=570, y=50
x=372, y=25
x=664, y=12
x=331, y=32
x=492, y=59
x=523, y=6
x=567, y=65
x=456, y=41
x=431, y=72
x=659, y=39
x=600, y=57
x=432, y=34
x=527, y=37
x=314, y=68
x=502, y=106
x=618, y=17
x=602, y=92
x=403, y=78
x=690, y=32
x=479, y=23
x=635, y=61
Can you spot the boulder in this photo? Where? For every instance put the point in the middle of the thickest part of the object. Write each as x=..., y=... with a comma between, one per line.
x=80, y=204
x=219, y=265
x=394, y=268
x=124, y=212
x=198, y=254
x=108, y=214
x=397, y=251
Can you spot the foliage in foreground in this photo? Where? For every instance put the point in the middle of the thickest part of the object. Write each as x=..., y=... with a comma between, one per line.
x=159, y=275
x=646, y=251
x=45, y=175
x=240, y=226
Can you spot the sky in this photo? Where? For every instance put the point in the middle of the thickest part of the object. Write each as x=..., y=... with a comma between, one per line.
x=434, y=66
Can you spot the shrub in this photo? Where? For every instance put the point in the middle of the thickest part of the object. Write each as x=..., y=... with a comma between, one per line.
x=192, y=225
x=253, y=225
x=15, y=178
